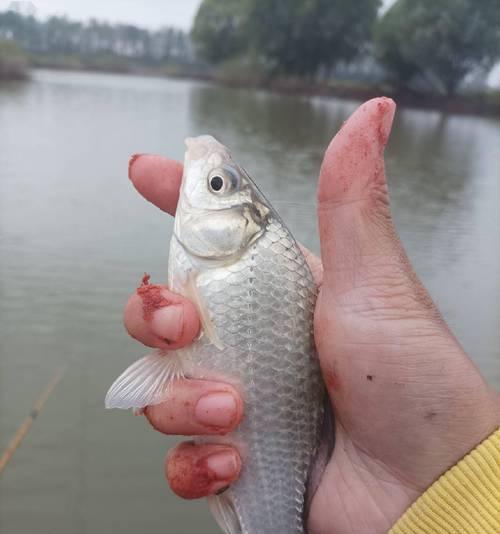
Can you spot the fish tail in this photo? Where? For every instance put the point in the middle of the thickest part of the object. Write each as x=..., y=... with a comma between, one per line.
x=224, y=513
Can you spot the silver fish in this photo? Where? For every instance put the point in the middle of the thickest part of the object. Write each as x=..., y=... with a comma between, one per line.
x=232, y=255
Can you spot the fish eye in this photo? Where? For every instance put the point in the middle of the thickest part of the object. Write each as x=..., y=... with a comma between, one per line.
x=216, y=183
x=223, y=180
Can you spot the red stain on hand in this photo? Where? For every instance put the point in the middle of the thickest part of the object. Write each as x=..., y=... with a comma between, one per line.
x=132, y=160
x=332, y=380
x=381, y=119
x=152, y=297
x=189, y=475
x=353, y=159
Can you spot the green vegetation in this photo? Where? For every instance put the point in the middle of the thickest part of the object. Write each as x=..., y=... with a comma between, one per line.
x=13, y=62
x=439, y=41
x=63, y=43
x=245, y=70
x=288, y=37
x=424, y=45
x=219, y=29
x=105, y=62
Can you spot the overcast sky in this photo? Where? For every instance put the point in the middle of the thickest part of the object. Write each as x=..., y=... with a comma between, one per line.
x=147, y=13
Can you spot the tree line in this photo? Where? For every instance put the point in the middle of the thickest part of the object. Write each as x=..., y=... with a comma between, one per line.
x=430, y=43
x=61, y=36
x=425, y=44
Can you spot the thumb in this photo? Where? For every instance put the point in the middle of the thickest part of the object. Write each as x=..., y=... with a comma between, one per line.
x=374, y=318
x=353, y=203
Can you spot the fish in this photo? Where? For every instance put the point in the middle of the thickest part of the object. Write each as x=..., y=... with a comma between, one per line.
x=234, y=257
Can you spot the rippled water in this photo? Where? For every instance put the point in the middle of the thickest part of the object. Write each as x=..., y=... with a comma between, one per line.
x=75, y=239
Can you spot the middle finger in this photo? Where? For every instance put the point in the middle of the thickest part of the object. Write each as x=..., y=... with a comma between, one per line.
x=196, y=408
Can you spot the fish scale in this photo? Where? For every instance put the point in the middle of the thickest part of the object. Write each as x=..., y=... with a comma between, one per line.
x=262, y=309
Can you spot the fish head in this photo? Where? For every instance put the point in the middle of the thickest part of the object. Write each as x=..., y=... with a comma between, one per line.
x=220, y=212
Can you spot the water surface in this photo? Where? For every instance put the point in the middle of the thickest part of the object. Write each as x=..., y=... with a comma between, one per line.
x=75, y=239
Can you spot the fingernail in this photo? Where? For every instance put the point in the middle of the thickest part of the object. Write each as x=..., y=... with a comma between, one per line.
x=222, y=490
x=224, y=466
x=132, y=160
x=216, y=410
x=167, y=322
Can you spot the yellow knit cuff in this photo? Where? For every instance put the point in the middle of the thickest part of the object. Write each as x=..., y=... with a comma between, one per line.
x=465, y=500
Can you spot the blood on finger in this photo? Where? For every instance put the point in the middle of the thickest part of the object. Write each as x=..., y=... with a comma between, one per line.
x=152, y=297
x=190, y=475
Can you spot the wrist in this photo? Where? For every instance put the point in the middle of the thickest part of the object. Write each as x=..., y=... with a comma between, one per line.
x=464, y=499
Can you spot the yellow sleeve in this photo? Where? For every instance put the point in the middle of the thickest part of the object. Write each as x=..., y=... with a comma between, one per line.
x=465, y=500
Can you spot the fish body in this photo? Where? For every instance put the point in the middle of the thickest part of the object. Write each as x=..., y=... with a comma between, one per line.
x=233, y=256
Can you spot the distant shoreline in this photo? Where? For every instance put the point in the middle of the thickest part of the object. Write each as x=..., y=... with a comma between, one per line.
x=483, y=104
x=14, y=65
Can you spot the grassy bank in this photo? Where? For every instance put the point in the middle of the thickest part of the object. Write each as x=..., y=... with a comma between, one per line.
x=476, y=103
x=246, y=73
x=115, y=64
x=232, y=74
x=251, y=75
x=14, y=64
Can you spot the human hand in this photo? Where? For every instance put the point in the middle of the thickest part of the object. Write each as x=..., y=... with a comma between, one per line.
x=408, y=401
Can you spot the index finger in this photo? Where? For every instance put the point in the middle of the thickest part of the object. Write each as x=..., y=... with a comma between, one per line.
x=157, y=179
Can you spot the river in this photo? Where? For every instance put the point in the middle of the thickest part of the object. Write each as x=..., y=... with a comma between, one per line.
x=75, y=239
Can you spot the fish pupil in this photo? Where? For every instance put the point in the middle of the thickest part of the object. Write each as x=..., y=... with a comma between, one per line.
x=216, y=183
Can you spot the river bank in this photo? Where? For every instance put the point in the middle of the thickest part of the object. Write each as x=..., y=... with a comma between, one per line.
x=486, y=103
x=479, y=103
x=14, y=64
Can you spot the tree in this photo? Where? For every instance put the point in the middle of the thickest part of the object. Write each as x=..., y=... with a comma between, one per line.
x=218, y=29
x=439, y=40
x=299, y=36
x=90, y=40
x=294, y=37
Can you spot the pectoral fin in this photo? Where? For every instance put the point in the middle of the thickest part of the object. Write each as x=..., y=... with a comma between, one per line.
x=190, y=291
x=145, y=382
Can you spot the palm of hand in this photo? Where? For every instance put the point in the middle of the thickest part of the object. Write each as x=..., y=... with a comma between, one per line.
x=403, y=415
